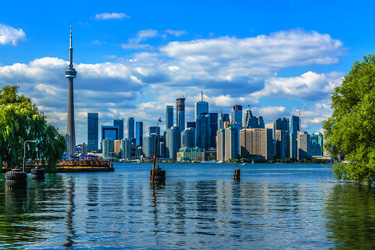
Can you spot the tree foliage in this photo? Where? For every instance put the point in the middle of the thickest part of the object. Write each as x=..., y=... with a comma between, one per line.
x=350, y=129
x=20, y=120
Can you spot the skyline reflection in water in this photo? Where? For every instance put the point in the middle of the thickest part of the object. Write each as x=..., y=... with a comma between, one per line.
x=200, y=206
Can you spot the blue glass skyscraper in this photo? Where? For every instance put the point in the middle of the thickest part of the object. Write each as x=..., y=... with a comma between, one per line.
x=131, y=128
x=119, y=123
x=139, y=131
x=92, y=132
x=169, y=117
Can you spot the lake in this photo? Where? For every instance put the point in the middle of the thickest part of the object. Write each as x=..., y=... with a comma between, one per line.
x=274, y=206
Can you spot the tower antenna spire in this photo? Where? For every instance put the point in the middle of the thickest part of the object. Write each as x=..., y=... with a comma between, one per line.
x=201, y=95
x=71, y=48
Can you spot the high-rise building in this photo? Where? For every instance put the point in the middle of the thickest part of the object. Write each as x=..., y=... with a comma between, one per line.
x=172, y=142
x=154, y=130
x=188, y=138
x=108, y=148
x=220, y=151
x=303, y=145
x=280, y=124
x=250, y=121
x=139, y=131
x=92, y=132
x=149, y=145
x=84, y=149
x=200, y=107
x=131, y=128
x=125, y=149
x=191, y=125
x=294, y=127
x=169, y=117
x=260, y=122
x=318, y=149
x=120, y=124
x=222, y=119
x=256, y=142
x=236, y=115
x=70, y=73
x=282, y=144
x=111, y=132
x=117, y=147
x=180, y=103
x=202, y=131
x=231, y=144
x=213, y=129
x=295, y=123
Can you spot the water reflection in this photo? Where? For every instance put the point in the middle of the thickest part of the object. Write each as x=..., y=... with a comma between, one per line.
x=350, y=216
x=70, y=235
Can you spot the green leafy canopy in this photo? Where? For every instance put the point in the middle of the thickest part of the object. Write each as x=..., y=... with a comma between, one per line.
x=350, y=129
x=20, y=120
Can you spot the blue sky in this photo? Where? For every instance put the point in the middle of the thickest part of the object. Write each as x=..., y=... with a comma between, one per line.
x=134, y=57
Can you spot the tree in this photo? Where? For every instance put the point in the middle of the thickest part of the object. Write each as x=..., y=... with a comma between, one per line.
x=20, y=120
x=350, y=129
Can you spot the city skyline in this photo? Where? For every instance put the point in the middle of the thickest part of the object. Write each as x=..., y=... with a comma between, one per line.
x=132, y=63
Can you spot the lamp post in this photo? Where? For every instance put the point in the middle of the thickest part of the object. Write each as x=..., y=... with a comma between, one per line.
x=24, y=151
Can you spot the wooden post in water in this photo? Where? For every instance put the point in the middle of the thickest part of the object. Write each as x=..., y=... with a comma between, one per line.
x=160, y=174
x=237, y=174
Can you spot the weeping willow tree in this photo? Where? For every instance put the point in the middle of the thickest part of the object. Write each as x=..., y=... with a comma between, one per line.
x=350, y=131
x=20, y=120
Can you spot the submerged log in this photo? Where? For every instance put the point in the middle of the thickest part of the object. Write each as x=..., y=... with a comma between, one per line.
x=237, y=174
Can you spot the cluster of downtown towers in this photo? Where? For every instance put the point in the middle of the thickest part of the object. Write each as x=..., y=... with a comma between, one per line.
x=228, y=136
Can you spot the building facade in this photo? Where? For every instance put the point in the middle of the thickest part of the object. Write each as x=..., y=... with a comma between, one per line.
x=169, y=117
x=190, y=155
x=120, y=124
x=303, y=145
x=256, y=142
x=220, y=142
x=131, y=128
x=236, y=114
x=92, y=132
x=173, y=142
x=125, y=149
x=231, y=144
x=139, y=134
x=108, y=148
x=180, y=103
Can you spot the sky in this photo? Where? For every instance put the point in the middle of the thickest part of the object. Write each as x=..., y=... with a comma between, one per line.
x=135, y=57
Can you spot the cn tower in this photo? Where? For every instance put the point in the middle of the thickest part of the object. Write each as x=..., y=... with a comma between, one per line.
x=70, y=128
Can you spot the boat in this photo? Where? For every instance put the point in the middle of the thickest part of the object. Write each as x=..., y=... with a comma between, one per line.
x=252, y=162
x=244, y=164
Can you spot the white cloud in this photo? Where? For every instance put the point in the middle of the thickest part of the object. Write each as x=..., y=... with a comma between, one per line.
x=108, y=16
x=142, y=35
x=10, y=35
x=308, y=86
x=229, y=70
x=176, y=32
x=97, y=42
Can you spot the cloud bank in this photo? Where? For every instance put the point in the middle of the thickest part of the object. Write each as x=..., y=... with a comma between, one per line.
x=230, y=70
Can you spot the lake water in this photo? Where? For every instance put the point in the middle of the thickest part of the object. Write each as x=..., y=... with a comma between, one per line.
x=274, y=206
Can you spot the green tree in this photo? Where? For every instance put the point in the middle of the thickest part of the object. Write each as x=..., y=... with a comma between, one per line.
x=350, y=129
x=20, y=120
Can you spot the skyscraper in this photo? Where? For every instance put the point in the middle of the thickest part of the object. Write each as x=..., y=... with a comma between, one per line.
x=256, y=142
x=303, y=145
x=92, y=131
x=250, y=121
x=111, y=132
x=202, y=131
x=169, y=117
x=120, y=124
x=139, y=136
x=231, y=144
x=223, y=118
x=180, y=103
x=280, y=124
x=200, y=107
x=213, y=129
x=236, y=115
x=172, y=142
x=154, y=130
x=70, y=128
x=220, y=145
x=294, y=127
x=131, y=128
